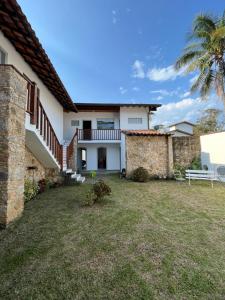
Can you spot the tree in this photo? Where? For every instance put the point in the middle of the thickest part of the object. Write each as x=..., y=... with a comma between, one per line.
x=209, y=122
x=205, y=53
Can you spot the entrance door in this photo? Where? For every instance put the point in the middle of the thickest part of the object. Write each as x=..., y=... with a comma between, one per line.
x=102, y=158
x=87, y=130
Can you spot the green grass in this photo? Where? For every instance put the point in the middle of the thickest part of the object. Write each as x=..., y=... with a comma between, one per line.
x=156, y=240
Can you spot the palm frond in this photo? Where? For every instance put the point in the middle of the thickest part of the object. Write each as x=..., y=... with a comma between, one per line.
x=199, y=81
x=218, y=34
x=205, y=22
x=207, y=84
x=192, y=47
x=186, y=58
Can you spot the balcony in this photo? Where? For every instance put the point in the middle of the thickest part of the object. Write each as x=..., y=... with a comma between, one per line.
x=99, y=134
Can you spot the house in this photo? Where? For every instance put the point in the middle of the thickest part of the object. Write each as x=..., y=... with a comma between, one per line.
x=43, y=132
x=183, y=128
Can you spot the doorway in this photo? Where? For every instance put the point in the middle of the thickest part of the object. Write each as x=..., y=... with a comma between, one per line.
x=87, y=130
x=82, y=159
x=102, y=158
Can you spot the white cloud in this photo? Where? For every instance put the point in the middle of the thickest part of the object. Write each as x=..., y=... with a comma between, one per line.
x=159, y=98
x=163, y=74
x=166, y=93
x=186, y=94
x=136, y=88
x=122, y=90
x=114, y=18
x=188, y=109
x=138, y=69
x=193, y=79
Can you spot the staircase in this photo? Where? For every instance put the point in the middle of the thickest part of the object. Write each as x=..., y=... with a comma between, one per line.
x=69, y=172
x=40, y=125
x=75, y=176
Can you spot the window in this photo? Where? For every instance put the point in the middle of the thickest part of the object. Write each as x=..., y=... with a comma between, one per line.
x=105, y=124
x=2, y=57
x=75, y=123
x=134, y=120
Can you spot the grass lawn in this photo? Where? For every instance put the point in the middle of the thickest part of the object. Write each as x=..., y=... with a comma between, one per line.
x=156, y=240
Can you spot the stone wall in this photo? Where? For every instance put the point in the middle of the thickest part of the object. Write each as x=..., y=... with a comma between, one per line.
x=30, y=163
x=34, y=170
x=185, y=149
x=13, y=90
x=154, y=153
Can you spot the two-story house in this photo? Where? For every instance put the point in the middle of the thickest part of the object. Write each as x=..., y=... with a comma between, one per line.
x=42, y=132
x=100, y=128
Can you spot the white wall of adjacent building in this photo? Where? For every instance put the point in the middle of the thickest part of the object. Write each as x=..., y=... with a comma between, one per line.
x=185, y=127
x=213, y=150
x=112, y=155
x=52, y=107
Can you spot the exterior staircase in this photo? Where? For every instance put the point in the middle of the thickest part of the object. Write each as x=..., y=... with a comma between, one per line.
x=73, y=176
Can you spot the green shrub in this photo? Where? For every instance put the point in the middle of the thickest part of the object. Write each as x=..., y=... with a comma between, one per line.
x=30, y=190
x=89, y=200
x=93, y=176
x=97, y=193
x=180, y=169
x=101, y=189
x=140, y=175
x=196, y=164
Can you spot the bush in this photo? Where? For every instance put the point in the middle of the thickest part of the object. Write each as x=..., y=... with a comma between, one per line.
x=30, y=190
x=140, y=175
x=101, y=189
x=196, y=164
x=97, y=193
x=180, y=169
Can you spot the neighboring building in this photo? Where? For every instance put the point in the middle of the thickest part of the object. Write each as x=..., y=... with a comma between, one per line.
x=212, y=151
x=183, y=128
x=42, y=132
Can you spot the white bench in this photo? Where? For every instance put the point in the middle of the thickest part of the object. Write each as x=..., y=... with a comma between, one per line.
x=200, y=175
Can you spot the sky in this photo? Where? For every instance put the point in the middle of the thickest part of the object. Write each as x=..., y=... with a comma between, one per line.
x=123, y=50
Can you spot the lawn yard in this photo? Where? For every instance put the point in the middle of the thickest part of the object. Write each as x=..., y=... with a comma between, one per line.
x=156, y=240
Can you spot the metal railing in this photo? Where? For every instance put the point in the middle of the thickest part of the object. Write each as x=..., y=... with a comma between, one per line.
x=99, y=134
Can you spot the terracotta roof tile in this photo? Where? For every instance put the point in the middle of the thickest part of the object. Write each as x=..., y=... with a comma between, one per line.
x=144, y=132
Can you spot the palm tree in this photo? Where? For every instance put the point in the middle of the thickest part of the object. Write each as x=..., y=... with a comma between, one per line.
x=205, y=53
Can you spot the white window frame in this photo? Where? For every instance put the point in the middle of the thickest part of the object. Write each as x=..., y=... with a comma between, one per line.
x=75, y=121
x=135, y=121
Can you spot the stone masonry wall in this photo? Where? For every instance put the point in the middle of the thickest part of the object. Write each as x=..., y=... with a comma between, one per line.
x=154, y=153
x=185, y=149
x=40, y=172
x=13, y=89
x=31, y=161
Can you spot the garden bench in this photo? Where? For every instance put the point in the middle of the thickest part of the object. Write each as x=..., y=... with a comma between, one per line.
x=200, y=175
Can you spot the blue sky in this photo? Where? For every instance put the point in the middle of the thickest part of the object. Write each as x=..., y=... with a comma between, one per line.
x=122, y=50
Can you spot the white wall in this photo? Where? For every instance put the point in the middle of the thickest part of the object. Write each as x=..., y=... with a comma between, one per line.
x=133, y=112
x=86, y=116
x=183, y=127
x=213, y=150
x=112, y=156
x=178, y=133
x=52, y=107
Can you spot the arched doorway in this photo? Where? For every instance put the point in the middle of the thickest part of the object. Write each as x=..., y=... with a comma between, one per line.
x=102, y=158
